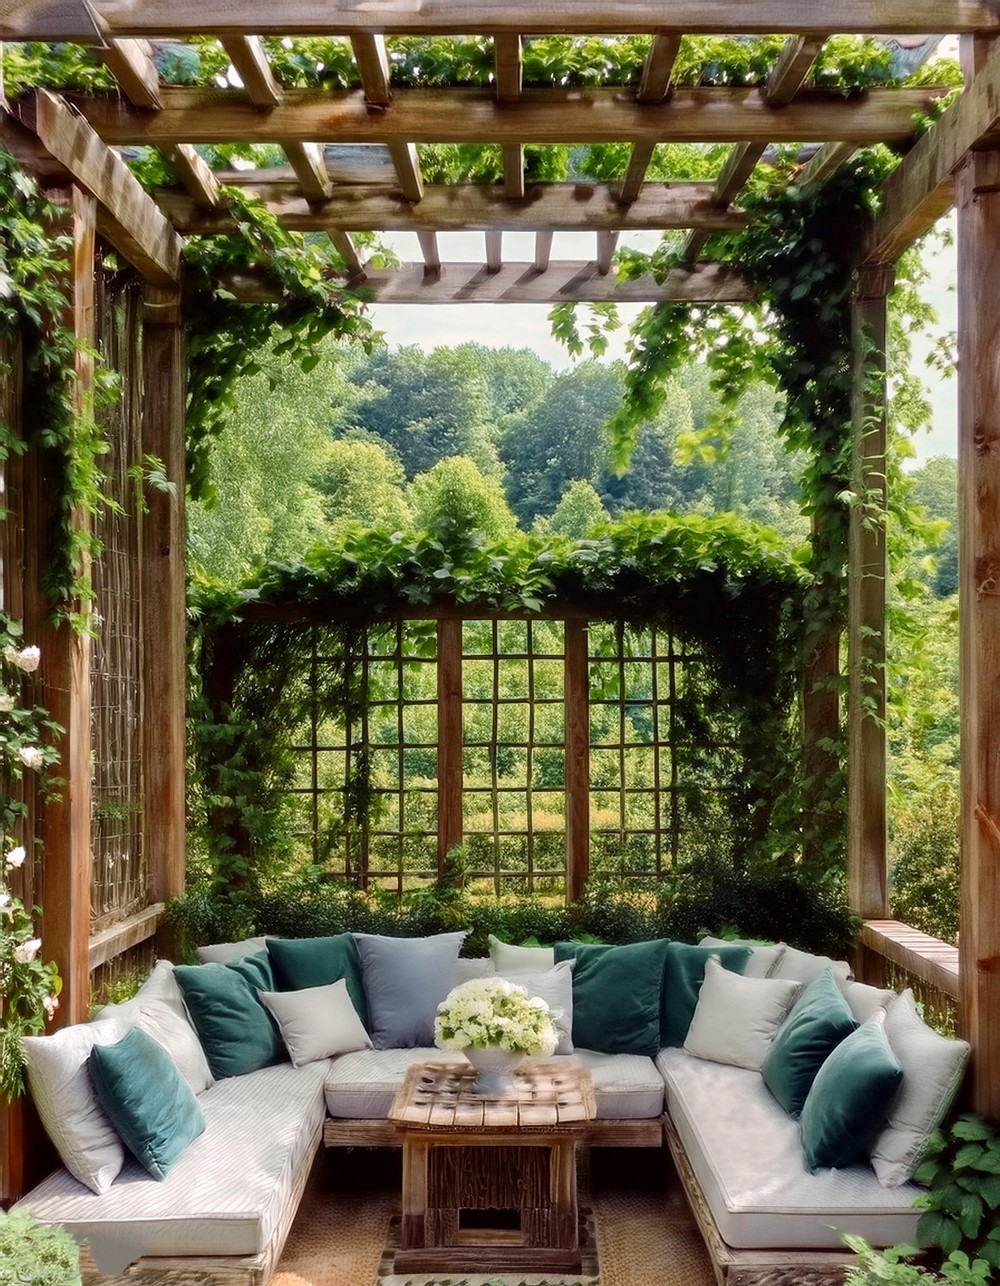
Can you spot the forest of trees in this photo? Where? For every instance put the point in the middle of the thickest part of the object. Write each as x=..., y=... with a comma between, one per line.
x=496, y=440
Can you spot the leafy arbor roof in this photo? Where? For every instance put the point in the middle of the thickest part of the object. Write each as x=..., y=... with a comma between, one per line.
x=451, y=116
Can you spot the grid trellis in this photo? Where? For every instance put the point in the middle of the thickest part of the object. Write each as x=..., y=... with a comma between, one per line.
x=119, y=881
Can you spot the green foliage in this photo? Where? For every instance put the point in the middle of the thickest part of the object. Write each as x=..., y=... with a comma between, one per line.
x=225, y=337
x=608, y=911
x=454, y=497
x=962, y=1206
x=363, y=482
x=894, y=1267
x=579, y=511
x=34, y=264
x=32, y=1254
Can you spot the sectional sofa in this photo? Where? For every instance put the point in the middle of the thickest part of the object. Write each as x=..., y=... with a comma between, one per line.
x=685, y=1046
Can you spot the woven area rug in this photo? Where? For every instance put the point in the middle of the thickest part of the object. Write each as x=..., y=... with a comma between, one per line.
x=645, y=1233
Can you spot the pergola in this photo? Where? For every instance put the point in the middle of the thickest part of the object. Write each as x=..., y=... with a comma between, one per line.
x=71, y=143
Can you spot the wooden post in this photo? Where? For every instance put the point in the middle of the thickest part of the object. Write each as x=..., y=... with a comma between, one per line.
x=65, y=666
x=977, y=192
x=576, y=707
x=867, y=875
x=449, y=768
x=164, y=663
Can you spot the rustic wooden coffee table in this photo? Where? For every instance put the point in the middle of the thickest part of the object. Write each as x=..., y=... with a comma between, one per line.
x=490, y=1183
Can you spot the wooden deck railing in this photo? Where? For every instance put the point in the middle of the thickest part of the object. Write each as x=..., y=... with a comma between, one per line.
x=894, y=954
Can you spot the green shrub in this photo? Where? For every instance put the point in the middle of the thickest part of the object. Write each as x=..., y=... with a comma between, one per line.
x=923, y=869
x=34, y=1255
x=962, y=1205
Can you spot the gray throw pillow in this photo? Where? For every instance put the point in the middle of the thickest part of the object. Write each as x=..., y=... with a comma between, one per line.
x=405, y=981
x=317, y=1022
x=223, y=952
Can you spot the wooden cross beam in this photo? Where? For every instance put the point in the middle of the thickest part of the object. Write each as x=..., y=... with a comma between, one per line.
x=126, y=215
x=72, y=20
x=466, y=207
x=539, y=116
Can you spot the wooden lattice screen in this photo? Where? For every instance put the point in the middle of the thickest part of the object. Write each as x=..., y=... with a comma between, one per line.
x=119, y=880
x=370, y=793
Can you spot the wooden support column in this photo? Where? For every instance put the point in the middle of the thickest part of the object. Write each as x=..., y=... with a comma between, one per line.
x=64, y=674
x=576, y=705
x=977, y=186
x=867, y=875
x=449, y=671
x=164, y=664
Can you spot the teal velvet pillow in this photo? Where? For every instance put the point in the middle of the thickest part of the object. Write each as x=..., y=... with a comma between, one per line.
x=683, y=974
x=317, y=962
x=850, y=1098
x=818, y=1021
x=616, y=995
x=236, y=1032
x=148, y=1101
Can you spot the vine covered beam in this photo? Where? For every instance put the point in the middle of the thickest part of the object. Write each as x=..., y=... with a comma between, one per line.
x=72, y=20
x=703, y=115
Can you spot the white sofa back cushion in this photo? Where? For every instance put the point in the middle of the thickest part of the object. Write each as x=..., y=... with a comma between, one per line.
x=223, y=952
x=555, y=987
x=509, y=959
x=803, y=966
x=158, y=1009
x=933, y=1066
x=736, y=1017
x=75, y=1121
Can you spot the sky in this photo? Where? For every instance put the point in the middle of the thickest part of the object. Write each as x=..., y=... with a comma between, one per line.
x=526, y=325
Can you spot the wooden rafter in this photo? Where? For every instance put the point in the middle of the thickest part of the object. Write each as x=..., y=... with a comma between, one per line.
x=787, y=77
x=508, y=74
x=127, y=216
x=653, y=88
x=540, y=116
x=559, y=282
x=826, y=162
x=468, y=206
x=543, y=250
x=494, y=250
x=372, y=61
x=345, y=247
x=131, y=64
x=429, y=249
x=72, y=20
x=606, y=243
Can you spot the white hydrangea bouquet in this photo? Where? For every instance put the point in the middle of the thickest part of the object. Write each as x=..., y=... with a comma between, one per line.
x=494, y=1013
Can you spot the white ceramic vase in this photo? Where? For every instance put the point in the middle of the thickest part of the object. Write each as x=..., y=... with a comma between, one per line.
x=494, y=1069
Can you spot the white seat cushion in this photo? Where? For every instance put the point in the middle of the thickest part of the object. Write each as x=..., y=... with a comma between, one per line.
x=747, y=1155
x=361, y=1086
x=224, y=1196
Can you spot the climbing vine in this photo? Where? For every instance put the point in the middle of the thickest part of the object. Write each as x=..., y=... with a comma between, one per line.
x=718, y=584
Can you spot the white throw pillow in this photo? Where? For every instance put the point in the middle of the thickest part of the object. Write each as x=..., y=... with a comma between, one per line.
x=555, y=987
x=764, y=956
x=158, y=1008
x=933, y=1066
x=509, y=959
x=736, y=1017
x=317, y=1022
x=863, y=1000
x=67, y=1104
x=802, y=966
x=223, y=952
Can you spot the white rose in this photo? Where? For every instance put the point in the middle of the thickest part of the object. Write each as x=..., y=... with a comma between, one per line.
x=26, y=659
x=26, y=952
x=6, y=702
x=31, y=757
x=16, y=856
x=51, y=1004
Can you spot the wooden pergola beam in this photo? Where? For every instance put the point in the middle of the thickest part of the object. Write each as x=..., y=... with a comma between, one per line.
x=787, y=77
x=921, y=188
x=428, y=243
x=71, y=19
x=195, y=174
x=701, y=115
x=520, y=283
x=127, y=216
x=372, y=61
x=249, y=59
x=494, y=250
x=345, y=247
x=466, y=207
x=826, y=163
x=653, y=88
